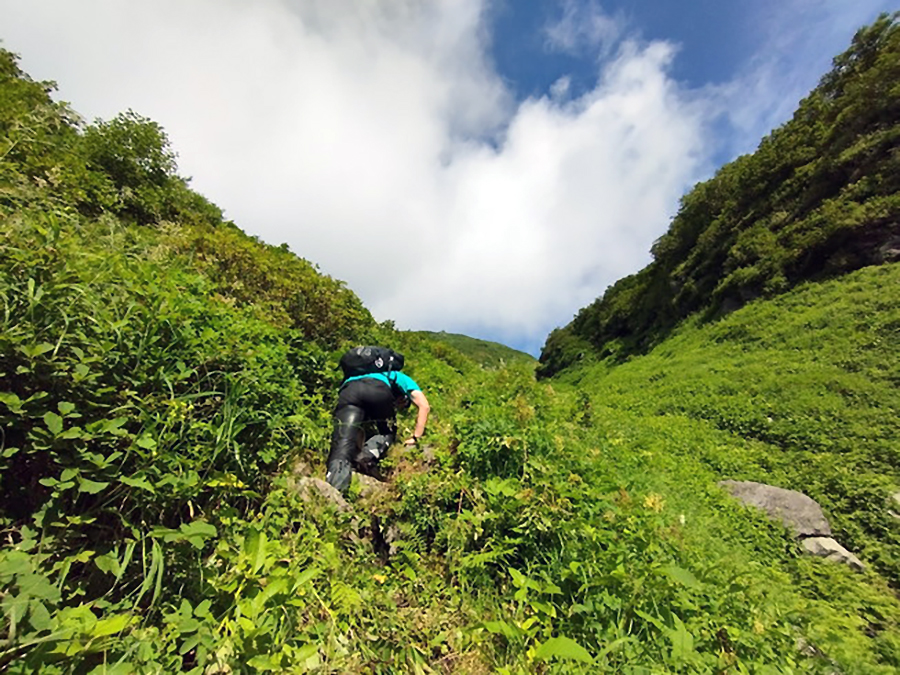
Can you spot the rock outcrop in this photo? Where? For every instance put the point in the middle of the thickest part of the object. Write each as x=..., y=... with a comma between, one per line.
x=826, y=547
x=800, y=513
x=309, y=488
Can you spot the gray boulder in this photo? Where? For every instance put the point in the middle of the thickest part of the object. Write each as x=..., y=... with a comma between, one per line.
x=800, y=513
x=828, y=548
x=308, y=488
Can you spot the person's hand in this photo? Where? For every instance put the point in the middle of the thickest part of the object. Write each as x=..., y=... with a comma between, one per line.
x=412, y=441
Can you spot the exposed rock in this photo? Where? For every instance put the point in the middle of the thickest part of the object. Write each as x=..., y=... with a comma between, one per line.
x=828, y=548
x=308, y=488
x=801, y=514
x=369, y=486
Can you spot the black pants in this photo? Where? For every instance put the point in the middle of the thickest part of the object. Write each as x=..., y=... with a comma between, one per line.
x=360, y=404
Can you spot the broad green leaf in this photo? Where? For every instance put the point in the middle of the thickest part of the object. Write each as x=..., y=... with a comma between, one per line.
x=682, y=576
x=78, y=619
x=38, y=586
x=306, y=651
x=137, y=483
x=14, y=563
x=517, y=577
x=13, y=402
x=189, y=644
x=563, y=648
x=146, y=442
x=111, y=625
x=113, y=424
x=306, y=576
x=552, y=589
x=197, y=532
x=188, y=625
x=54, y=423
x=198, y=528
x=272, y=589
x=36, y=350
x=260, y=555
x=65, y=407
x=682, y=641
x=90, y=486
x=108, y=563
x=265, y=662
x=15, y=607
x=39, y=617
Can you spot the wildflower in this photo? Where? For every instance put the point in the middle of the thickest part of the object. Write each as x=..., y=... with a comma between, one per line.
x=654, y=502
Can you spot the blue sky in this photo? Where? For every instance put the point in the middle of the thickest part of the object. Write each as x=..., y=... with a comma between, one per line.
x=715, y=37
x=519, y=156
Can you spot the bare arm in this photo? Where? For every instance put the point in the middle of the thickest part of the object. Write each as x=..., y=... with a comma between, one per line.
x=421, y=403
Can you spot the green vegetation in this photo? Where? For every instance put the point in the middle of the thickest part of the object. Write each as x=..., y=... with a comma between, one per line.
x=488, y=354
x=808, y=381
x=165, y=382
x=817, y=199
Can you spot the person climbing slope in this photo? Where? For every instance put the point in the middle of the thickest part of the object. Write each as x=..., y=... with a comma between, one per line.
x=374, y=388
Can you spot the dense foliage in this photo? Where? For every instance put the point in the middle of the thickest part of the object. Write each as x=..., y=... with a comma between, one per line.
x=817, y=199
x=809, y=380
x=166, y=385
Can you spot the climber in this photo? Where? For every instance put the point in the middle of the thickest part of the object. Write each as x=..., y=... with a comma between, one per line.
x=373, y=396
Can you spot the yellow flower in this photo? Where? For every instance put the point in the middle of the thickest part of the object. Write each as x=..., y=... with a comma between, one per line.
x=654, y=502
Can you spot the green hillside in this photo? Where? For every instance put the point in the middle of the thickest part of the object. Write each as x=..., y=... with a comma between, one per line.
x=808, y=382
x=166, y=387
x=488, y=354
x=817, y=199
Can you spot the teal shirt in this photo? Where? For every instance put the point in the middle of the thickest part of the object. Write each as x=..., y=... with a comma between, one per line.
x=404, y=382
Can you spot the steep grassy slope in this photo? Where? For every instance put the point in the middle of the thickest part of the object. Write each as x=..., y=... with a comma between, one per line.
x=812, y=377
x=489, y=354
x=152, y=419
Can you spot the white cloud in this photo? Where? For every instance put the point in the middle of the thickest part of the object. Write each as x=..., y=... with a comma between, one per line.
x=584, y=27
x=375, y=139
